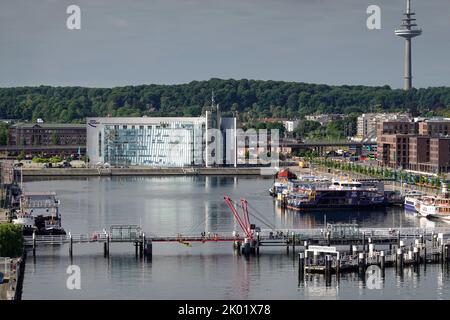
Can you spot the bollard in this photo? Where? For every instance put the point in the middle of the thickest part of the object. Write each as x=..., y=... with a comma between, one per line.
x=34, y=243
x=416, y=256
x=70, y=245
x=329, y=238
x=328, y=264
x=301, y=266
x=364, y=242
x=416, y=242
x=440, y=239
x=361, y=263
x=107, y=245
x=371, y=249
x=305, y=244
x=148, y=248
x=425, y=255
x=258, y=240
x=328, y=261
x=141, y=249
x=136, y=245
x=315, y=258
x=293, y=244
x=246, y=249
x=105, y=251
x=399, y=259
x=338, y=266
x=382, y=260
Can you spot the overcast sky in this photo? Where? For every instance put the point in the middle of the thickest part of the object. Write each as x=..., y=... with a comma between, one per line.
x=176, y=41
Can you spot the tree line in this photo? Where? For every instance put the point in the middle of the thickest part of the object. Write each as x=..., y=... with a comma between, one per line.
x=248, y=99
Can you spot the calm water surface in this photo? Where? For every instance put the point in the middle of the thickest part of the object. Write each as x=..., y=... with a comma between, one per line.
x=187, y=205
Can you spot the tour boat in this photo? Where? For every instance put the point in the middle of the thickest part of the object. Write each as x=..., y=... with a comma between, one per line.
x=340, y=194
x=435, y=207
x=411, y=199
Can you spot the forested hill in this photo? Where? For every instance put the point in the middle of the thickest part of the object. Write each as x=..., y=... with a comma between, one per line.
x=251, y=98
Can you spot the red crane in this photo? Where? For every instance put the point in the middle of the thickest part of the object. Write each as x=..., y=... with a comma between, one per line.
x=244, y=221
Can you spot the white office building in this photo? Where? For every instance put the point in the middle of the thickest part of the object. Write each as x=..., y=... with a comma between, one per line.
x=162, y=141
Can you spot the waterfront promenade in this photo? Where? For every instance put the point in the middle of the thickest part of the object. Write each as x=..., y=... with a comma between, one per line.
x=146, y=171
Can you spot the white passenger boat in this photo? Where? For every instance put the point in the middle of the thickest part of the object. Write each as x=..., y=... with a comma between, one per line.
x=435, y=207
x=411, y=198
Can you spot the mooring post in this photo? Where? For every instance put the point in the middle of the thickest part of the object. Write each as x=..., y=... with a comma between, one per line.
x=354, y=250
x=440, y=239
x=328, y=261
x=148, y=246
x=410, y=255
x=293, y=244
x=361, y=263
x=257, y=243
x=364, y=242
x=301, y=266
x=416, y=256
x=315, y=258
x=70, y=245
x=107, y=245
x=382, y=260
x=400, y=259
x=141, y=248
x=398, y=238
x=246, y=249
x=425, y=255
x=34, y=243
x=136, y=249
x=338, y=266
x=371, y=249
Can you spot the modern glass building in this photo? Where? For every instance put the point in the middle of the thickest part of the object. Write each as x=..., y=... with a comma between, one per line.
x=163, y=142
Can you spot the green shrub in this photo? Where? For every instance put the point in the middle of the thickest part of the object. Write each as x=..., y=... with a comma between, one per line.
x=11, y=240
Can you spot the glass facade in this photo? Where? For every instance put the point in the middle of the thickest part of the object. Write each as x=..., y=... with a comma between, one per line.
x=166, y=144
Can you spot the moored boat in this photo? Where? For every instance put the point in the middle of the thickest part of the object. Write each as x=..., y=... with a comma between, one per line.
x=435, y=207
x=340, y=194
x=39, y=214
x=411, y=199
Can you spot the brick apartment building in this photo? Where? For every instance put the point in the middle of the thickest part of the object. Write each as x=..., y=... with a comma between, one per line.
x=419, y=146
x=48, y=138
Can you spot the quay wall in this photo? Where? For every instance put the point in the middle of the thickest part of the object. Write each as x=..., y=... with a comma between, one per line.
x=143, y=172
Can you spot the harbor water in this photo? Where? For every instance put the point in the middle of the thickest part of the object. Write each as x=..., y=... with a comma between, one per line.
x=192, y=205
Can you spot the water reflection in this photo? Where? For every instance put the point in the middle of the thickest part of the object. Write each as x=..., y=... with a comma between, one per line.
x=170, y=205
